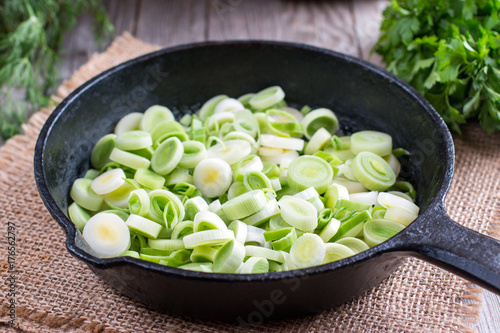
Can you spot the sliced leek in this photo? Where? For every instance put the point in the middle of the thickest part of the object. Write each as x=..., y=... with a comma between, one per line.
x=229, y=257
x=143, y=226
x=319, y=118
x=378, y=231
x=308, y=250
x=267, y=98
x=212, y=177
x=336, y=251
x=372, y=171
x=371, y=141
x=306, y=171
x=255, y=265
x=107, y=235
x=208, y=238
x=299, y=213
x=167, y=156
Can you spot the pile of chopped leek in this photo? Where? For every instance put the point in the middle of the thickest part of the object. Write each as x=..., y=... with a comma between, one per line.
x=247, y=185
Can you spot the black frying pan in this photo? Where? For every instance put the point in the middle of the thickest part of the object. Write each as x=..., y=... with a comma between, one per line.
x=362, y=95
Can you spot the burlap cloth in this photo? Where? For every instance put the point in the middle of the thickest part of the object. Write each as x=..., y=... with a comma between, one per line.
x=57, y=293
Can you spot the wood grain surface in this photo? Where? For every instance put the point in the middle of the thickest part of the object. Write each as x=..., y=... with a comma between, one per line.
x=346, y=26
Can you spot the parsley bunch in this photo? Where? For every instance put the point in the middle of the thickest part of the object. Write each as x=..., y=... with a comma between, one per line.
x=31, y=34
x=449, y=50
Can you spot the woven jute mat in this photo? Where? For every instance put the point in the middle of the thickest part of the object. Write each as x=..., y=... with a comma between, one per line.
x=54, y=292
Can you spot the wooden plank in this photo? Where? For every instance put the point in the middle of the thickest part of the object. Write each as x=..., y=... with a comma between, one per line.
x=79, y=44
x=367, y=17
x=327, y=24
x=171, y=22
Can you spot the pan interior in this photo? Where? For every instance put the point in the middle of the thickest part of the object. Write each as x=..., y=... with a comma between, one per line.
x=186, y=77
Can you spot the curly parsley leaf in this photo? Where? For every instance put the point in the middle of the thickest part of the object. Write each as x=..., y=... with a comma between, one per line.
x=449, y=50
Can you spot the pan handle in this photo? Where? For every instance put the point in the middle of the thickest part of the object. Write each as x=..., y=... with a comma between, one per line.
x=445, y=243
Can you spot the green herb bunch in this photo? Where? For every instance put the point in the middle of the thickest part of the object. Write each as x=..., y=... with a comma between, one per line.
x=31, y=34
x=449, y=50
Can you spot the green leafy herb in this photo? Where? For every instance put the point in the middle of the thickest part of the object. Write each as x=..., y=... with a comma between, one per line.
x=449, y=50
x=30, y=35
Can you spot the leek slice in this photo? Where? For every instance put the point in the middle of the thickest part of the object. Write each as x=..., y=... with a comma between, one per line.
x=267, y=212
x=203, y=254
x=306, y=171
x=143, y=226
x=166, y=207
x=355, y=244
x=245, y=165
x=367, y=198
x=108, y=182
x=352, y=205
x=319, y=118
x=378, y=231
x=277, y=222
x=324, y=216
x=127, y=159
x=179, y=175
x=298, y=213
x=149, y=179
x=182, y=229
x=229, y=257
x=78, y=215
x=132, y=254
x=133, y=140
x=107, y=235
x=307, y=194
x=176, y=258
x=400, y=215
x=334, y=193
x=166, y=244
x=82, y=193
x=308, y=250
x=393, y=163
x=193, y=206
x=208, y=108
x=198, y=266
x=245, y=99
x=168, y=129
x=255, y=265
x=245, y=122
x=207, y=221
x=317, y=203
x=212, y=177
x=336, y=251
x=256, y=180
x=119, y=197
x=236, y=189
x=270, y=169
x=244, y=205
x=330, y=230
x=91, y=174
x=273, y=141
x=167, y=156
x=372, y=171
x=139, y=202
x=102, y=150
x=267, y=98
x=390, y=200
x=317, y=141
x=352, y=187
x=208, y=238
x=130, y=122
x=258, y=251
x=255, y=236
x=378, y=143
x=231, y=151
x=240, y=230
x=193, y=153
x=154, y=115
x=352, y=226
x=228, y=105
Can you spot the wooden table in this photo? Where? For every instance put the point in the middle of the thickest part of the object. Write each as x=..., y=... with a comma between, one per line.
x=346, y=26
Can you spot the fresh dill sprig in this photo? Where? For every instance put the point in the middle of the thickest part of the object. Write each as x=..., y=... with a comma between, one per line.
x=31, y=33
